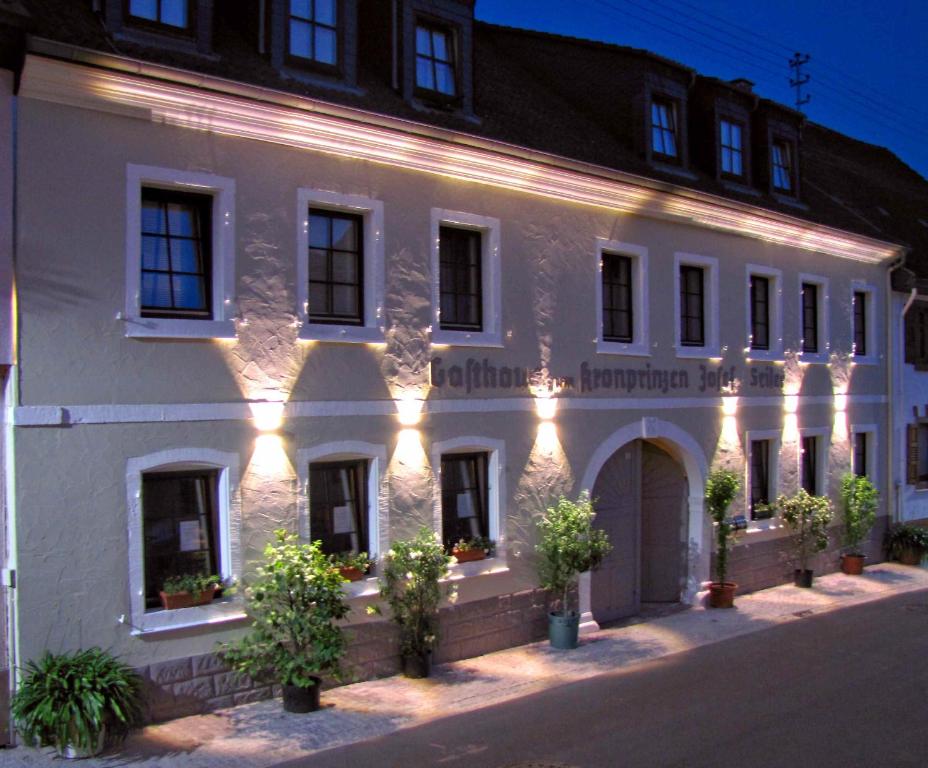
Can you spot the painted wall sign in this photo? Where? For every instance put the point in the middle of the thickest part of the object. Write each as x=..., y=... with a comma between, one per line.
x=474, y=374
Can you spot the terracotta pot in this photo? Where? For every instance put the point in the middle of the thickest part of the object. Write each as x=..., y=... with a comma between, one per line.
x=722, y=594
x=351, y=573
x=187, y=599
x=469, y=555
x=853, y=565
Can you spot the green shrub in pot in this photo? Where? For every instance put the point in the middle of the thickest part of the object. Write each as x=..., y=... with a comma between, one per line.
x=859, y=500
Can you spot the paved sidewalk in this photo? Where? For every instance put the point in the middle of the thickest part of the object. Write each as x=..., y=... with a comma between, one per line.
x=261, y=734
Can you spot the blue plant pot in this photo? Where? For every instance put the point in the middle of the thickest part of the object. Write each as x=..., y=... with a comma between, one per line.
x=564, y=631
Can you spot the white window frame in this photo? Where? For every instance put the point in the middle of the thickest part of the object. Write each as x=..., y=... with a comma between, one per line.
x=491, y=279
x=774, y=436
x=824, y=314
x=871, y=358
x=229, y=536
x=823, y=435
x=775, y=305
x=710, y=266
x=639, y=345
x=222, y=257
x=870, y=430
x=371, y=212
x=496, y=492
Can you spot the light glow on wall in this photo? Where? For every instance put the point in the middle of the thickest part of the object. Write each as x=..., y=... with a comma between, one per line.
x=269, y=460
x=409, y=409
x=268, y=415
x=546, y=407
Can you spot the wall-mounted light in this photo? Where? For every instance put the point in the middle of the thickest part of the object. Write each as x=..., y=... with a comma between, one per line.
x=546, y=408
x=409, y=410
x=268, y=415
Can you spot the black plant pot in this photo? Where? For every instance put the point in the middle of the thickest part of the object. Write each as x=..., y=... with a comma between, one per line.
x=301, y=700
x=417, y=666
x=802, y=578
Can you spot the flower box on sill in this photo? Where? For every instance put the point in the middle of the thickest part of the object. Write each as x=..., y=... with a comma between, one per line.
x=468, y=555
x=177, y=600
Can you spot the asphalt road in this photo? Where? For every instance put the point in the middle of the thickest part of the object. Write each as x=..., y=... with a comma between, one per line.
x=847, y=688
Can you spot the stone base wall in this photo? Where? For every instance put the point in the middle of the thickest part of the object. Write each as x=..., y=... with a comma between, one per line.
x=200, y=684
x=769, y=563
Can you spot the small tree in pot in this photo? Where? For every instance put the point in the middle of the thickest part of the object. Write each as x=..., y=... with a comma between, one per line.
x=293, y=602
x=410, y=583
x=808, y=518
x=721, y=488
x=859, y=501
x=569, y=546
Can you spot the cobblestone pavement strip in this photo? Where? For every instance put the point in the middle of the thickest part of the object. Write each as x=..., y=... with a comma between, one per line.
x=261, y=734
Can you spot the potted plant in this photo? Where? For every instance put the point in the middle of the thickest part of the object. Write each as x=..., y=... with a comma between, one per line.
x=907, y=543
x=294, y=602
x=858, y=501
x=189, y=589
x=412, y=570
x=76, y=702
x=808, y=518
x=569, y=545
x=474, y=548
x=721, y=488
x=352, y=566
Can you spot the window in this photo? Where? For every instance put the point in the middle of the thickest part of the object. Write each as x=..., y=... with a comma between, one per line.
x=180, y=527
x=760, y=312
x=692, y=306
x=664, y=128
x=338, y=507
x=621, y=298
x=917, y=454
x=175, y=253
x=340, y=267
x=336, y=267
x=435, y=69
x=466, y=279
x=618, y=316
x=761, y=476
x=916, y=335
x=171, y=13
x=859, y=460
x=732, y=152
x=863, y=304
x=810, y=311
x=460, y=279
x=782, y=166
x=180, y=254
x=313, y=31
x=464, y=497
x=860, y=323
x=184, y=517
x=810, y=464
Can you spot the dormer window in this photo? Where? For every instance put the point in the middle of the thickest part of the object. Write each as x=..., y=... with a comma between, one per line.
x=170, y=13
x=731, y=148
x=435, y=65
x=781, y=158
x=313, y=31
x=664, y=129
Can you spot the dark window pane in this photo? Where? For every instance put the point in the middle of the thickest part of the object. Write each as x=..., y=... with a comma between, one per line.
x=337, y=506
x=460, y=276
x=860, y=323
x=464, y=493
x=860, y=454
x=155, y=253
x=174, y=12
x=663, y=128
x=344, y=234
x=423, y=42
x=782, y=166
x=435, y=60
x=301, y=39
x=180, y=527
x=325, y=45
x=144, y=9
x=325, y=12
x=809, y=317
x=156, y=289
x=301, y=8
x=444, y=79
x=189, y=292
x=760, y=312
x=760, y=478
x=336, y=267
x=692, y=331
x=617, y=297
x=809, y=465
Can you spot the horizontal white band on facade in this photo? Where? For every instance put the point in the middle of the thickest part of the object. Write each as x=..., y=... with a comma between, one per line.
x=174, y=97
x=58, y=416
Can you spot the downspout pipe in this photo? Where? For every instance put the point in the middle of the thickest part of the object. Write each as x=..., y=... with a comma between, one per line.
x=894, y=379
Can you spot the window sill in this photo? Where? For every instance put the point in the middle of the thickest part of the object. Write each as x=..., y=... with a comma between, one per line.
x=367, y=587
x=864, y=360
x=765, y=356
x=705, y=353
x=214, y=614
x=813, y=357
x=467, y=339
x=349, y=334
x=485, y=567
x=635, y=349
x=177, y=328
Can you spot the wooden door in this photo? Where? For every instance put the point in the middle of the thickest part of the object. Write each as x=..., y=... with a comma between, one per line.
x=616, y=495
x=663, y=526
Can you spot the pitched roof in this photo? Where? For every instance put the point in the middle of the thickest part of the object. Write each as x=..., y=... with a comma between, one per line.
x=565, y=96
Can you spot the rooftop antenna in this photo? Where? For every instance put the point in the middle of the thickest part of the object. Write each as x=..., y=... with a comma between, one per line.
x=798, y=79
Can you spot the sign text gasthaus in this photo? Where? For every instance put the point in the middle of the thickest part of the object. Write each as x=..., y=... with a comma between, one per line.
x=475, y=375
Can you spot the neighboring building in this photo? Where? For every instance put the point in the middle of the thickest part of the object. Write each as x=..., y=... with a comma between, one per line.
x=350, y=272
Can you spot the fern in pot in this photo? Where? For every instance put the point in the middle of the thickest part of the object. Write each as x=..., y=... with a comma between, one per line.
x=76, y=702
x=569, y=546
x=294, y=602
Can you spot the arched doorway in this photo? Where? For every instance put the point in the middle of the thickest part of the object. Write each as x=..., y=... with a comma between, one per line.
x=640, y=496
